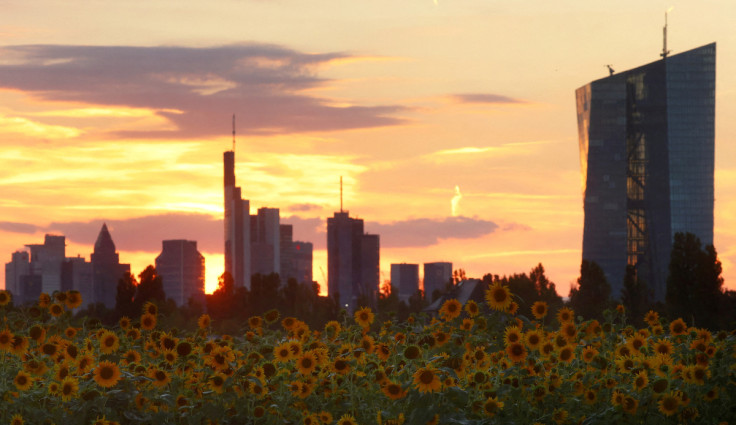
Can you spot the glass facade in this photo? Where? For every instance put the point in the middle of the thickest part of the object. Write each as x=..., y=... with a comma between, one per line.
x=646, y=139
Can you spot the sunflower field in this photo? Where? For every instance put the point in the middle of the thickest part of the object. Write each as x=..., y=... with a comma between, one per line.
x=477, y=363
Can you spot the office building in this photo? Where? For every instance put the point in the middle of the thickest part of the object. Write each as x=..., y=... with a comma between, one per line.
x=19, y=266
x=302, y=255
x=182, y=271
x=350, y=273
x=266, y=242
x=46, y=262
x=77, y=274
x=647, y=139
x=436, y=277
x=405, y=278
x=106, y=269
x=237, y=226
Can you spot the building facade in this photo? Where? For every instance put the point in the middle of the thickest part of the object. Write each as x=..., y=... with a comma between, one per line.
x=237, y=226
x=350, y=272
x=405, y=277
x=302, y=252
x=182, y=271
x=647, y=143
x=436, y=277
x=106, y=269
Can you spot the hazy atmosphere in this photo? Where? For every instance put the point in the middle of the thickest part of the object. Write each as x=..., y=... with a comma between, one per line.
x=452, y=123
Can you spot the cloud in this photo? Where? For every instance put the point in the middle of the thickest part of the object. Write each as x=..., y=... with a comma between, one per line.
x=195, y=89
x=303, y=207
x=484, y=98
x=9, y=226
x=429, y=231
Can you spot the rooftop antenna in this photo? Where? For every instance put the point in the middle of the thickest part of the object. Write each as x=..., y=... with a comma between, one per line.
x=665, y=52
x=233, y=132
x=340, y=193
x=610, y=70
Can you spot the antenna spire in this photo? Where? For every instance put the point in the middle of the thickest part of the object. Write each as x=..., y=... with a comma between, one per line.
x=665, y=52
x=233, y=132
x=340, y=193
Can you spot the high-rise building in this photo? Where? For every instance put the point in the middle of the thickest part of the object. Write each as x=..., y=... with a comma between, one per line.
x=436, y=277
x=287, y=268
x=181, y=268
x=647, y=143
x=349, y=273
x=19, y=266
x=46, y=262
x=405, y=278
x=77, y=274
x=237, y=226
x=302, y=252
x=106, y=269
x=370, y=266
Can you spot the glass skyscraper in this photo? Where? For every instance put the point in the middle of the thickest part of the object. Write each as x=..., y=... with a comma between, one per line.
x=647, y=143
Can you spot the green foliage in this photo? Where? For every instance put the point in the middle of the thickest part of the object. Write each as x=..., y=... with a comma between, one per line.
x=593, y=292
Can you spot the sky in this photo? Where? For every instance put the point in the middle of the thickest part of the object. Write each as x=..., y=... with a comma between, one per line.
x=452, y=123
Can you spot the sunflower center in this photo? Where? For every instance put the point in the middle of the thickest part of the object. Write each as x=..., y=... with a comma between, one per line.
x=426, y=377
x=106, y=372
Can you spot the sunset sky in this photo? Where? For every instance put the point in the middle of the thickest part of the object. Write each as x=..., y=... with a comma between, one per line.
x=119, y=112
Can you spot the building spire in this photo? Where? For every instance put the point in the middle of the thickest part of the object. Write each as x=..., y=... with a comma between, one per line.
x=665, y=52
x=340, y=193
x=233, y=132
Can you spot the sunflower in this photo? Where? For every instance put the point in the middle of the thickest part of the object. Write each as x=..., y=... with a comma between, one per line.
x=663, y=346
x=68, y=388
x=678, y=327
x=341, y=366
x=184, y=348
x=170, y=356
x=636, y=343
x=107, y=374
x=6, y=340
x=565, y=315
x=131, y=356
x=109, y=342
x=450, y=309
x=412, y=352
x=53, y=388
x=325, y=417
x=282, y=353
x=217, y=383
x=669, y=404
x=427, y=380
x=73, y=299
x=49, y=349
x=492, y=406
x=617, y=398
x=467, y=324
x=566, y=354
x=516, y=352
x=56, y=310
x=652, y=318
x=150, y=308
x=160, y=377
x=17, y=419
x=23, y=381
x=630, y=404
x=539, y=309
x=70, y=332
x=364, y=317
x=590, y=396
x=471, y=307
x=347, y=419
x=5, y=297
x=306, y=363
x=511, y=335
x=393, y=391
x=19, y=345
x=148, y=321
x=498, y=296
x=559, y=416
x=204, y=321
x=589, y=354
x=255, y=322
x=641, y=380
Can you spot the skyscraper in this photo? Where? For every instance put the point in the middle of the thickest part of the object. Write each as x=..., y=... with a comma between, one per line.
x=181, y=268
x=647, y=143
x=350, y=273
x=106, y=269
x=237, y=226
x=436, y=277
x=405, y=277
x=302, y=261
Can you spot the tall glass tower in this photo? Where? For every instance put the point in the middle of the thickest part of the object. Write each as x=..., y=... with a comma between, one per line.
x=647, y=149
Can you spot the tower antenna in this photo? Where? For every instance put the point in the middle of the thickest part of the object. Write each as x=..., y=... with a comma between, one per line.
x=665, y=52
x=340, y=193
x=233, y=132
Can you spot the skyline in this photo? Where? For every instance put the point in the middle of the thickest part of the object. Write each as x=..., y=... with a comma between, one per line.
x=406, y=103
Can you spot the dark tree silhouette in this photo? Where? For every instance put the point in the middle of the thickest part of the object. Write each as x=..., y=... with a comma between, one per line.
x=694, y=284
x=593, y=292
x=150, y=287
x=125, y=298
x=635, y=296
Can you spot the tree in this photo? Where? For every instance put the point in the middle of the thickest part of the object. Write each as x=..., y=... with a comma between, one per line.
x=221, y=302
x=150, y=287
x=635, y=296
x=125, y=297
x=694, y=284
x=593, y=292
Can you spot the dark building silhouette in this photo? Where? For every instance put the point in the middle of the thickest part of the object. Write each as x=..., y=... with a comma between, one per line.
x=436, y=277
x=182, y=271
x=287, y=268
x=405, y=277
x=77, y=274
x=106, y=269
x=647, y=143
x=302, y=252
x=351, y=272
x=237, y=227
x=266, y=242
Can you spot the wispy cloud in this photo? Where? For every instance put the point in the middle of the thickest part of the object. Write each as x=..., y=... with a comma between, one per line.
x=430, y=231
x=483, y=98
x=195, y=89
